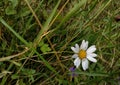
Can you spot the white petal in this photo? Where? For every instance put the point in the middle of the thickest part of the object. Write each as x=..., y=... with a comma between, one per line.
x=77, y=47
x=91, y=49
x=84, y=45
x=75, y=56
x=92, y=55
x=85, y=64
x=91, y=59
x=77, y=62
x=74, y=50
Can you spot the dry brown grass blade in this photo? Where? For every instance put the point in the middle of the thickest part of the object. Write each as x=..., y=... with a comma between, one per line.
x=12, y=56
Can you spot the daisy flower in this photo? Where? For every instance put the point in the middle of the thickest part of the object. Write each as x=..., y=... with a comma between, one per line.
x=83, y=54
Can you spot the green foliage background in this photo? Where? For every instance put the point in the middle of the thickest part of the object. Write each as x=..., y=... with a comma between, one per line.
x=36, y=37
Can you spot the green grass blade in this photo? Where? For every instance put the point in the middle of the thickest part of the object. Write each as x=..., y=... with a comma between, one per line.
x=27, y=44
x=12, y=30
x=46, y=24
x=71, y=12
x=93, y=74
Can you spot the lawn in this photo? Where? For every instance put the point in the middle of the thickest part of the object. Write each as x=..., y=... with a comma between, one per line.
x=37, y=40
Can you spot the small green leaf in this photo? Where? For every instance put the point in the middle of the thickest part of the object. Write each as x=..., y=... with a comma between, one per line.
x=41, y=43
x=28, y=71
x=45, y=48
x=24, y=12
x=14, y=3
x=15, y=76
x=10, y=10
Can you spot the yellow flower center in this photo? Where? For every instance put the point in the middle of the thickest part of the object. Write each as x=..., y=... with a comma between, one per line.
x=82, y=54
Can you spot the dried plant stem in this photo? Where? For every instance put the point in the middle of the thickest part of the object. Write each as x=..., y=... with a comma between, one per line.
x=12, y=56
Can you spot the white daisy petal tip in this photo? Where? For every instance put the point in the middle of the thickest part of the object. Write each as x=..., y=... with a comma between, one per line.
x=75, y=56
x=91, y=49
x=77, y=62
x=85, y=64
x=92, y=55
x=77, y=47
x=91, y=59
x=84, y=45
x=83, y=40
x=74, y=49
x=85, y=69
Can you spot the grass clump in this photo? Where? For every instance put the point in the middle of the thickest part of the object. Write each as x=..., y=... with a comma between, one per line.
x=36, y=37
